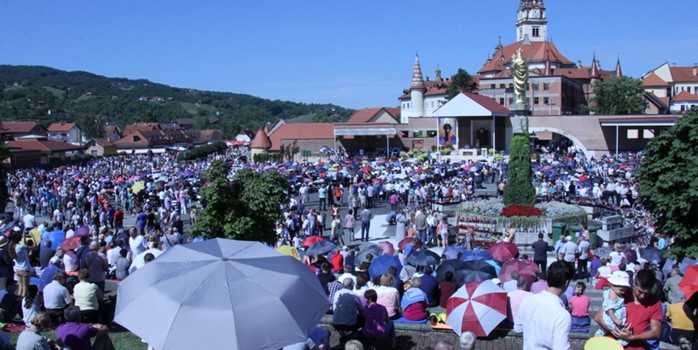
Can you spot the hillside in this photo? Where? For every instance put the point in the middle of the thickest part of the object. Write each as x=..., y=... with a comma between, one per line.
x=48, y=95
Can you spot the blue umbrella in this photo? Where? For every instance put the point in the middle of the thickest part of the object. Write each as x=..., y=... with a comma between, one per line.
x=477, y=255
x=451, y=252
x=423, y=257
x=494, y=264
x=380, y=265
x=56, y=236
x=320, y=247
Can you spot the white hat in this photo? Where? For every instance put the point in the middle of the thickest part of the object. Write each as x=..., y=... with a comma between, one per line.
x=568, y=238
x=496, y=280
x=619, y=278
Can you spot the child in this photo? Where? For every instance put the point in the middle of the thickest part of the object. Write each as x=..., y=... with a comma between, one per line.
x=579, y=306
x=614, y=315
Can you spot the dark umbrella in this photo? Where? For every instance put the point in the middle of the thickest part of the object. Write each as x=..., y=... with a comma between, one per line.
x=423, y=257
x=369, y=249
x=651, y=254
x=474, y=271
x=503, y=251
x=380, y=265
x=451, y=265
x=630, y=254
x=477, y=255
x=320, y=247
x=82, y=231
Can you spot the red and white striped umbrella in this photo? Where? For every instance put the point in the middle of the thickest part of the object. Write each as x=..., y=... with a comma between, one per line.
x=477, y=307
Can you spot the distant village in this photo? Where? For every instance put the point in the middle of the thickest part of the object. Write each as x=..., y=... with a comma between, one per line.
x=470, y=124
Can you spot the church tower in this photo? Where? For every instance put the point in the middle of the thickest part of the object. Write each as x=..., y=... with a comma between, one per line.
x=532, y=21
x=417, y=90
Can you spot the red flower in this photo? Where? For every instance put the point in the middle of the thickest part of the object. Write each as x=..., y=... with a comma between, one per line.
x=521, y=210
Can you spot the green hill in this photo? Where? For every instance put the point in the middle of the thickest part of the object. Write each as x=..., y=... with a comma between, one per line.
x=48, y=95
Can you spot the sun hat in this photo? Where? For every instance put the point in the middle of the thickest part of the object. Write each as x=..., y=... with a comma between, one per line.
x=3, y=241
x=496, y=281
x=619, y=278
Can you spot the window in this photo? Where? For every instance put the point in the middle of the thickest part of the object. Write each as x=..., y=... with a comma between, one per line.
x=536, y=32
x=546, y=100
x=536, y=100
x=417, y=133
x=501, y=101
x=136, y=138
x=492, y=86
x=648, y=134
x=511, y=100
x=502, y=86
x=405, y=134
x=546, y=86
x=535, y=86
x=632, y=134
x=431, y=133
x=93, y=152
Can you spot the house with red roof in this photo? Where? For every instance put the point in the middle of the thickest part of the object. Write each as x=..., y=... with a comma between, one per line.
x=671, y=87
x=12, y=130
x=145, y=137
x=66, y=132
x=33, y=150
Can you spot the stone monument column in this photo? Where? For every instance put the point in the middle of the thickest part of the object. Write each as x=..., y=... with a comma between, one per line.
x=520, y=107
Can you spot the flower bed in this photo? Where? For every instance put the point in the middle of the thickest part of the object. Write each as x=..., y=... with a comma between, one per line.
x=521, y=210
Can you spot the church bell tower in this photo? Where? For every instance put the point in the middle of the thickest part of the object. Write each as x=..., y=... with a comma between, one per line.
x=531, y=21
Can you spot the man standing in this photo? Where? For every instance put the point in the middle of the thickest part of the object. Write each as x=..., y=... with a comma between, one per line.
x=583, y=253
x=644, y=314
x=542, y=317
x=322, y=196
x=540, y=253
x=366, y=216
x=569, y=251
x=420, y=224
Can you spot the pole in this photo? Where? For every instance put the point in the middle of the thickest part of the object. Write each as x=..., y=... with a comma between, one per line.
x=616, y=140
x=438, y=151
x=387, y=147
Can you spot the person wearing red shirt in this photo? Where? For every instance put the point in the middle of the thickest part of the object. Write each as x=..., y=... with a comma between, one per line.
x=337, y=262
x=644, y=318
x=118, y=219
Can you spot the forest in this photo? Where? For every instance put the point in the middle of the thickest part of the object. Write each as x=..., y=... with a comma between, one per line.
x=47, y=95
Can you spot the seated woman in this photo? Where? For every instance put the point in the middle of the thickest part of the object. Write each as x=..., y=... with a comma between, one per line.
x=415, y=304
x=447, y=288
x=87, y=296
x=378, y=325
x=388, y=296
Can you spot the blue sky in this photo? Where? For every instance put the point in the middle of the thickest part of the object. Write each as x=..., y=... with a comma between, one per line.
x=354, y=53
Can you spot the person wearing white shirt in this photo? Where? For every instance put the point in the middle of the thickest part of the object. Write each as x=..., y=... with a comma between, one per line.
x=542, y=318
x=56, y=296
x=137, y=242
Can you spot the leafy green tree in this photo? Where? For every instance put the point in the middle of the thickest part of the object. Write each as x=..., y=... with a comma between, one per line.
x=519, y=190
x=461, y=81
x=668, y=181
x=617, y=96
x=244, y=208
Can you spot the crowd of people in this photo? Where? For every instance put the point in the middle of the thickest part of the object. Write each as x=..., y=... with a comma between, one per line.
x=90, y=201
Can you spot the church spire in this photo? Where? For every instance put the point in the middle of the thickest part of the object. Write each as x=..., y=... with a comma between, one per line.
x=437, y=74
x=594, y=67
x=532, y=22
x=417, y=79
x=619, y=72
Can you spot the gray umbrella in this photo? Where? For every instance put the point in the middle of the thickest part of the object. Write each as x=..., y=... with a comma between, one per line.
x=370, y=249
x=221, y=294
x=320, y=247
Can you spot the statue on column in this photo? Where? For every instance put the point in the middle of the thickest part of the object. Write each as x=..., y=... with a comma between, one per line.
x=519, y=72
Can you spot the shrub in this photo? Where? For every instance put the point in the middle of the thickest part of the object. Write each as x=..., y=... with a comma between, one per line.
x=519, y=190
x=202, y=151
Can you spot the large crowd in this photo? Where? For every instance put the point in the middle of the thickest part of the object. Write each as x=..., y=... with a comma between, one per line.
x=67, y=235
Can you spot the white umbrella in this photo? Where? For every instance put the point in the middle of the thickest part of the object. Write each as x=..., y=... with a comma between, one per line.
x=221, y=294
x=139, y=260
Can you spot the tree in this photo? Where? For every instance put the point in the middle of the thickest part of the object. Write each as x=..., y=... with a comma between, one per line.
x=244, y=208
x=668, y=181
x=461, y=81
x=618, y=96
x=289, y=151
x=519, y=189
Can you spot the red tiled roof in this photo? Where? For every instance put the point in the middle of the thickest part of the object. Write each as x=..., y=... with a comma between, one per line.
x=142, y=127
x=684, y=96
x=488, y=103
x=683, y=74
x=61, y=127
x=535, y=52
x=128, y=140
x=653, y=79
x=433, y=87
x=363, y=115
x=16, y=127
x=261, y=140
x=300, y=131
x=103, y=142
x=582, y=73
x=47, y=146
